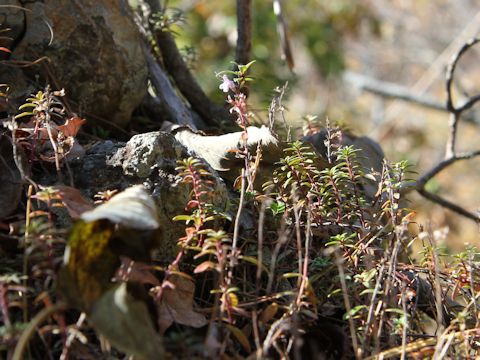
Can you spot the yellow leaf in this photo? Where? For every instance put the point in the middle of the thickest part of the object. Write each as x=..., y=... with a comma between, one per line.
x=89, y=263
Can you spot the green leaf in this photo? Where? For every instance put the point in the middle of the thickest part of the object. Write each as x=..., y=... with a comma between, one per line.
x=23, y=115
x=354, y=311
x=185, y=218
x=291, y=275
x=21, y=107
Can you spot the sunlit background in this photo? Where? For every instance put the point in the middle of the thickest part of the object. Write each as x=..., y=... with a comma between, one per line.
x=337, y=45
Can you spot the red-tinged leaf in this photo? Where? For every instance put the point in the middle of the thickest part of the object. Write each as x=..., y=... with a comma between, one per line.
x=72, y=126
x=38, y=213
x=206, y=265
x=191, y=204
x=177, y=305
x=136, y=271
x=73, y=200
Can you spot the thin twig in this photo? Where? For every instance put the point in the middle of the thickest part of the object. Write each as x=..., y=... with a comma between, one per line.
x=451, y=155
x=348, y=306
x=456, y=112
x=236, y=228
x=395, y=91
x=282, y=29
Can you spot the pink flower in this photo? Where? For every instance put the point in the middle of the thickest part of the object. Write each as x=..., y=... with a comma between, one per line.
x=227, y=84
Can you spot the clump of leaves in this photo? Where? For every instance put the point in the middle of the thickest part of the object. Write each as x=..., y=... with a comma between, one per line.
x=49, y=134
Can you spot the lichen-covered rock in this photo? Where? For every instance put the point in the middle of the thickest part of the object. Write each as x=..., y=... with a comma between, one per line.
x=94, y=52
x=149, y=159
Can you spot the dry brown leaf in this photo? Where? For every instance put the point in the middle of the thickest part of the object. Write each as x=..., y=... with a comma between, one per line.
x=73, y=200
x=177, y=305
x=269, y=312
x=71, y=126
x=125, y=321
x=135, y=271
x=133, y=208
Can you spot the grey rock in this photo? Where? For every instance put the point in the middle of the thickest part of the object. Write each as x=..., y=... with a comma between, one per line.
x=149, y=159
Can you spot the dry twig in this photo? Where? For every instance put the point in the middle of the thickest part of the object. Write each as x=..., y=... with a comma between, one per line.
x=244, y=30
x=451, y=155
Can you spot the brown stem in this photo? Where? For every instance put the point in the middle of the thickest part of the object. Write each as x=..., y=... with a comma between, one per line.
x=173, y=61
x=244, y=31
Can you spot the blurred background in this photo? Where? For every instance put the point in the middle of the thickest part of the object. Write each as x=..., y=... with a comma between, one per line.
x=343, y=50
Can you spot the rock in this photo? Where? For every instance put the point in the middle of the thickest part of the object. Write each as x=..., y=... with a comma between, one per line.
x=94, y=52
x=10, y=179
x=12, y=25
x=149, y=159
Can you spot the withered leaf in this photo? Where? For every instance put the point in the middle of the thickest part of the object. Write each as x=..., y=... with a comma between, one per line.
x=73, y=200
x=125, y=321
x=177, y=305
x=89, y=263
x=133, y=208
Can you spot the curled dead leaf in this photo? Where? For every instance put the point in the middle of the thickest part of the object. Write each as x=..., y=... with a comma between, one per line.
x=134, y=208
x=125, y=321
x=73, y=200
x=176, y=305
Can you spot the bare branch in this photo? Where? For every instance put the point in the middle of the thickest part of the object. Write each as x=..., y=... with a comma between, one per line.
x=422, y=181
x=244, y=31
x=450, y=73
x=450, y=154
x=394, y=91
x=449, y=205
x=455, y=112
x=282, y=29
x=176, y=67
x=391, y=90
x=166, y=93
x=210, y=112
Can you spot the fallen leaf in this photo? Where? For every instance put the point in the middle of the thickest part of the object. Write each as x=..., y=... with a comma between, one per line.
x=73, y=200
x=269, y=312
x=136, y=271
x=71, y=126
x=133, y=208
x=176, y=305
x=240, y=336
x=220, y=152
x=126, y=322
x=89, y=263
